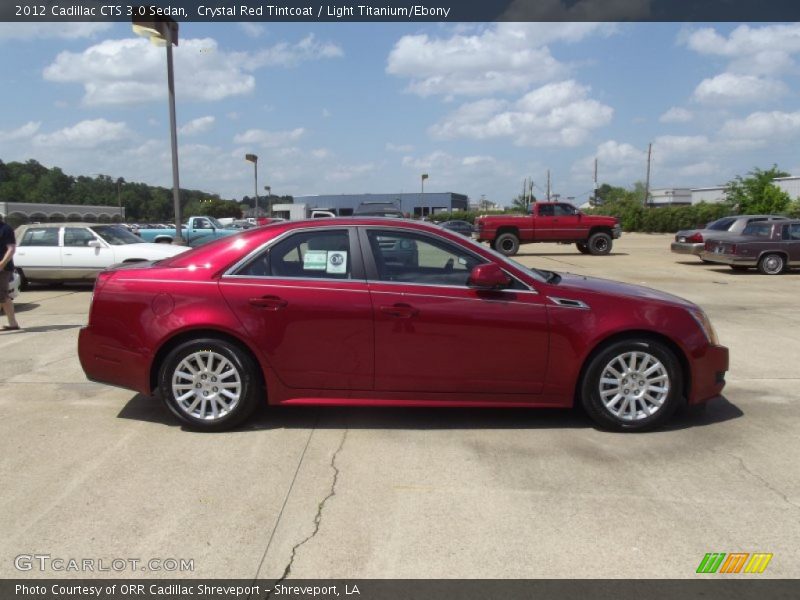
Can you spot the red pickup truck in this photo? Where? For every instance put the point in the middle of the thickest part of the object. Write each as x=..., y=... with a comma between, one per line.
x=548, y=222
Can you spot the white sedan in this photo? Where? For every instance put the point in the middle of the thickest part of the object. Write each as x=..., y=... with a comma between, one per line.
x=60, y=252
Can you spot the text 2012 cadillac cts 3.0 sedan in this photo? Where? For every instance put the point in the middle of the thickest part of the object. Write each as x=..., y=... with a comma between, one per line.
x=381, y=312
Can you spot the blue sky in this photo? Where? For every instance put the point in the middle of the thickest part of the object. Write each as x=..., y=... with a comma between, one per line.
x=352, y=108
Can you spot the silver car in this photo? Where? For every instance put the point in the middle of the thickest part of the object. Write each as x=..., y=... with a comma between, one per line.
x=692, y=241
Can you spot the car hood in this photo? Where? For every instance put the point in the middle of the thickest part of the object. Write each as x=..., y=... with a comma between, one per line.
x=607, y=287
x=148, y=251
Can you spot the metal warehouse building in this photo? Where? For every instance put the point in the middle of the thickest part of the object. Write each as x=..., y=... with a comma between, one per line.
x=413, y=204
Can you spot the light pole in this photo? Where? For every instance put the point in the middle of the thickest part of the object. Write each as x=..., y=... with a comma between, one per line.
x=422, y=179
x=254, y=159
x=268, y=189
x=164, y=31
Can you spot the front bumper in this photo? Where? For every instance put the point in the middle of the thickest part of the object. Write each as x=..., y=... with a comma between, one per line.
x=728, y=259
x=708, y=374
x=616, y=232
x=687, y=248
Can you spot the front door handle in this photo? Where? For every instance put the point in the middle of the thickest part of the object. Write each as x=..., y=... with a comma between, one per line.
x=401, y=311
x=268, y=302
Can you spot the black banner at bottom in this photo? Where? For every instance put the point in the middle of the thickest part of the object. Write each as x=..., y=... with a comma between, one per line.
x=391, y=589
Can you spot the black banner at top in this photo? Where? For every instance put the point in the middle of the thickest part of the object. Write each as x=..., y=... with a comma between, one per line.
x=401, y=10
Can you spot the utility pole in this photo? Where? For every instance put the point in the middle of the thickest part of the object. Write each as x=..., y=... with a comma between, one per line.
x=647, y=181
x=594, y=194
x=548, y=185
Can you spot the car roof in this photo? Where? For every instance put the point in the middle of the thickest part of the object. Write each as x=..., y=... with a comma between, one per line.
x=25, y=226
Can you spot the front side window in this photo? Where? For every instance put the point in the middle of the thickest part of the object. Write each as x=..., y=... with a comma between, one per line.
x=40, y=236
x=316, y=254
x=410, y=258
x=116, y=235
x=78, y=236
x=546, y=210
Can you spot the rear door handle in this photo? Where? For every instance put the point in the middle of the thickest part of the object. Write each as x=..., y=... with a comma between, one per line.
x=401, y=311
x=268, y=302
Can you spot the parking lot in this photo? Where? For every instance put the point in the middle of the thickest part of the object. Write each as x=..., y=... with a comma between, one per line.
x=94, y=472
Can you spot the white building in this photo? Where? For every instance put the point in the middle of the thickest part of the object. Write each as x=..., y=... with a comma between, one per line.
x=670, y=196
x=711, y=195
x=790, y=185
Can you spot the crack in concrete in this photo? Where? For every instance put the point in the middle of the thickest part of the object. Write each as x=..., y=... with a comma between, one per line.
x=320, y=508
x=766, y=483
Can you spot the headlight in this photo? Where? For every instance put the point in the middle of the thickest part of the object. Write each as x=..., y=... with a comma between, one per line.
x=701, y=318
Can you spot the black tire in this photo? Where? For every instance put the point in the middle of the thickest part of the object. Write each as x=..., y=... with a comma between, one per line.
x=739, y=268
x=246, y=374
x=635, y=419
x=772, y=264
x=599, y=243
x=23, y=281
x=507, y=244
x=582, y=247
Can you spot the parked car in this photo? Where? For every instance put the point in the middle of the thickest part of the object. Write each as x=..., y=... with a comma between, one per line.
x=378, y=209
x=462, y=227
x=14, y=285
x=553, y=222
x=692, y=241
x=196, y=231
x=61, y=252
x=316, y=313
x=770, y=246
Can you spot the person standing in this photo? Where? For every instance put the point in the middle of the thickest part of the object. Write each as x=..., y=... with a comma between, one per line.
x=8, y=244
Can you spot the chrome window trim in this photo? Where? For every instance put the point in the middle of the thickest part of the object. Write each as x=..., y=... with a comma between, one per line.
x=230, y=273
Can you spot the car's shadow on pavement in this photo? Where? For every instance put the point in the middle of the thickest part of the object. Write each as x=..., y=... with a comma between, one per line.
x=152, y=410
x=565, y=255
x=20, y=307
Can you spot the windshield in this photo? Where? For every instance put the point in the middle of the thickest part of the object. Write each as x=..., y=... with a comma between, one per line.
x=116, y=235
x=215, y=223
x=539, y=274
x=720, y=224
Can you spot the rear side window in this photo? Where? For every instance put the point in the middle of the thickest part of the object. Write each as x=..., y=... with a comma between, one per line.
x=721, y=224
x=40, y=236
x=312, y=254
x=759, y=229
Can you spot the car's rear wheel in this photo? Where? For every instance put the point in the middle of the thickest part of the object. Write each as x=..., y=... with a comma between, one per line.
x=772, y=264
x=599, y=243
x=210, y=384
x=632, y=385
x=507, y=244
x=582, y=247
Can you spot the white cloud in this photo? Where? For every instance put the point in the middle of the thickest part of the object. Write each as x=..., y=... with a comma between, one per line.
x=503, y=57
x=676, y=114
x=86, y=134
x=760, y=50
x=763, y=126
x=348, y=172
x=253, y=30
x=320, y=153
x=399, y=147
x=731, y=88
x=617, y=161
x=130, y=71
x=557, y=114
x=41, y=31
x=199, y=125
x=268, y=139
x=21, y=133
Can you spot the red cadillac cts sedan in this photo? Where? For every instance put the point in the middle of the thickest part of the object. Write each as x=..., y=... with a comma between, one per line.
x=384, y=312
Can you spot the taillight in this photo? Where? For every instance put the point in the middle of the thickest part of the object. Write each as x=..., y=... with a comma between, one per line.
x=695, y=238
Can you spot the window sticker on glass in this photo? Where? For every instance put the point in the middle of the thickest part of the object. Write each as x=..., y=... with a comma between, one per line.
x=315, y=260
x=337, y=262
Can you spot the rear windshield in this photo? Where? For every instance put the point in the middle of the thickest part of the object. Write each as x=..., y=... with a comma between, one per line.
x=720, y=224
x=116, y=235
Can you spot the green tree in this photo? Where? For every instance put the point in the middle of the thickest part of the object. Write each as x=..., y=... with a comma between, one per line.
x=756, y=194
x=523, y=203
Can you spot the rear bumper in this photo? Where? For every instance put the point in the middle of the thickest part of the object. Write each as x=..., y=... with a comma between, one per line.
x=104, y=361
x=728, y=259
x=708, y=374
x=687, y=248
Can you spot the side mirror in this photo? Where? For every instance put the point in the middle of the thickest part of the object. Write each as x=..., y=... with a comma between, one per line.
x=94, y=244
x=488, y=276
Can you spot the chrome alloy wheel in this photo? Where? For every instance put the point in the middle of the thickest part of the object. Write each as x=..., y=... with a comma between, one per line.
x=206, y=385
x=634, y=386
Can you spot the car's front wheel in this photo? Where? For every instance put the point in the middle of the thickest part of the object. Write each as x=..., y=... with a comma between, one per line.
x=632, y=385
x=600, y=243
x=210, y=384
x=772, y=264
